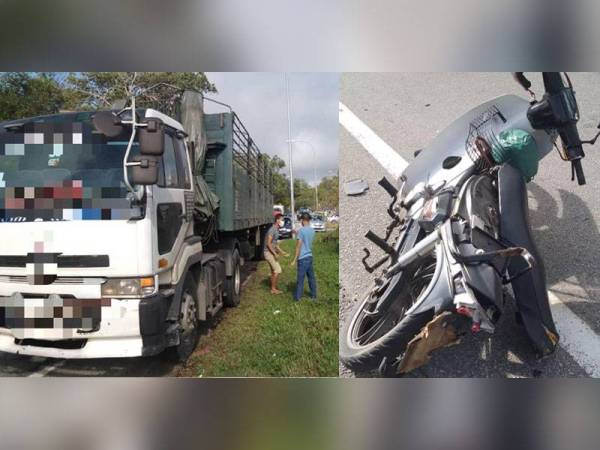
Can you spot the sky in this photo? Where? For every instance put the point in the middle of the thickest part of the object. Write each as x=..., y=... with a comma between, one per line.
x=259, y=100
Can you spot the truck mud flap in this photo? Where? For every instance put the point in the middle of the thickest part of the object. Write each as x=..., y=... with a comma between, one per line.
x=153, y=314
x=530, y=289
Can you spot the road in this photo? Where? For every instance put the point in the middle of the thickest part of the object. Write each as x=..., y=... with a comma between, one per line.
x=155, y=366
x=406, y=110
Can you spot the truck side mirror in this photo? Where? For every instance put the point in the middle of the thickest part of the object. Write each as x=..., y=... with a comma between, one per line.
x=152, y=137
x=146, y=172
x=107, y=123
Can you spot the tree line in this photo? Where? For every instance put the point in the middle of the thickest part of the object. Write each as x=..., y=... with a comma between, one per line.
x=27, y=94
x=304, y=194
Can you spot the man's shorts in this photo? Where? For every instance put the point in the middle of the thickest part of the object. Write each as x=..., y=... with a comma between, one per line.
x=275, y=267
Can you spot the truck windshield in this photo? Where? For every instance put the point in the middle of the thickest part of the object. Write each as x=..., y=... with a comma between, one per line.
x=54, y=168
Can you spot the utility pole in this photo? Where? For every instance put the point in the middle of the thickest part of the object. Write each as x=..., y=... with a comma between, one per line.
x=293, y=141
x=315, y=178
x=287, y=96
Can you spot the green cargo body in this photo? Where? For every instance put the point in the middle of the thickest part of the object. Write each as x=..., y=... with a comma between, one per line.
x=238, y=173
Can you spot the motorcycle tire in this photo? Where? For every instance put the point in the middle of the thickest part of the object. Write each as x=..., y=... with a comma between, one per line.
x=367, y=356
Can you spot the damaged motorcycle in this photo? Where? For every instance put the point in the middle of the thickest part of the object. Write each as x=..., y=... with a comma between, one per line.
x=459, y=232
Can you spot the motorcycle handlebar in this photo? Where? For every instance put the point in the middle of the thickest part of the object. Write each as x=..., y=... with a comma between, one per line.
x=522, y=80
x=557, y=110
x=574, y=150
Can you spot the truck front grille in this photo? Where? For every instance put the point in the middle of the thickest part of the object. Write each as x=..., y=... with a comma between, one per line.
x=63, y=344
x=60, y=280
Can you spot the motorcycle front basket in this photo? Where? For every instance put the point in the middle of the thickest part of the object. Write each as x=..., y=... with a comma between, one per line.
x=482, y=136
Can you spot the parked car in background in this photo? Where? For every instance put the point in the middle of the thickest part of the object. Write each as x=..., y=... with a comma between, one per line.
x=333, y=219
x=317, y=222
x=285, y=232
x=303, y=210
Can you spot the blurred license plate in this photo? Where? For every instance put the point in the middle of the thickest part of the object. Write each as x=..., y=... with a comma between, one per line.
x=20, y=314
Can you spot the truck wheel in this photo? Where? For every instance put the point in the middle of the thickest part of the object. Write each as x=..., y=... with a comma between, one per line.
x=189, y=324
x=233, y=284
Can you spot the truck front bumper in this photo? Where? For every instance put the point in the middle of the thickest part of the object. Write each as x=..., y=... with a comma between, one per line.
x=127, y=328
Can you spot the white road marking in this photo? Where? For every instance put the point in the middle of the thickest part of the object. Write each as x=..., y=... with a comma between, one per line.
x=380, y=150
x=576, y=337
x=45, y=370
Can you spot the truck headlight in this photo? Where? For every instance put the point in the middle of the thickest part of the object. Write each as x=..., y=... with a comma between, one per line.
x=129, y=287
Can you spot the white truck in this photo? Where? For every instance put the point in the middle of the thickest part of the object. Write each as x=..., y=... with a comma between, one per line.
x=121, y=231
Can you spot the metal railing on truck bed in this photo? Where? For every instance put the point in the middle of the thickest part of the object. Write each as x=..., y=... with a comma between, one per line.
x=238, y=173
x=248, y=156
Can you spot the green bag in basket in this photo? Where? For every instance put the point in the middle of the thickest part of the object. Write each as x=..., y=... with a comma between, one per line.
x=518, y=148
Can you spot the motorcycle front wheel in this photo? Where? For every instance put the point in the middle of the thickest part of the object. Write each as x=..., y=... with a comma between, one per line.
x=369, y=335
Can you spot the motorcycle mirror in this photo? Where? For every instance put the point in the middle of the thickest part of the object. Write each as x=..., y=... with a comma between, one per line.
x=107, y=123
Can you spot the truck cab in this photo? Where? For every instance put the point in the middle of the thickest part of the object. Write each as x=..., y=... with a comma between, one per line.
x=87, y=271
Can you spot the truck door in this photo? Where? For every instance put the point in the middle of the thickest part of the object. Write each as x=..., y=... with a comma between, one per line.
x=173, y=218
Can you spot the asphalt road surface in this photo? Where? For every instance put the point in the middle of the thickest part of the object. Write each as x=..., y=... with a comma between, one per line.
x=407, y=110
x=155, y=366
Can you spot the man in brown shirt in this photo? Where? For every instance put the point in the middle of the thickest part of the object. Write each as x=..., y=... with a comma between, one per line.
x=273, y=251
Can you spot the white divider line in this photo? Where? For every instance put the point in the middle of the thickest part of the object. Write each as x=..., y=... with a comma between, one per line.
x=382, y=152
x=576, y=337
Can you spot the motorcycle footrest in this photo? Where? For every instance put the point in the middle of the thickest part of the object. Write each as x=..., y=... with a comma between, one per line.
x=379, y=242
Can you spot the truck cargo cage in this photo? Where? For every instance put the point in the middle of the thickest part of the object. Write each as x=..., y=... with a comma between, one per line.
x=238, y=173
x=247, y=154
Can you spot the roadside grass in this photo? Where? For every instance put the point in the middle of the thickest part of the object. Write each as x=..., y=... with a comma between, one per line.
x=270, y=335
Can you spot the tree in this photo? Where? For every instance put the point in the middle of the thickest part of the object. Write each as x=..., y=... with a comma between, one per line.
x=304, y=194
x=158, y=90
x=281, y=183
x=329, y=193
x=24, y=94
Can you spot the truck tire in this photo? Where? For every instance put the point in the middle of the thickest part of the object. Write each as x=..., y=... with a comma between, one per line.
x=189, y=323
x=233, y=283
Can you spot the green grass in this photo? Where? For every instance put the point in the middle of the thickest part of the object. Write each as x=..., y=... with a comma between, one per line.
x=301, y=339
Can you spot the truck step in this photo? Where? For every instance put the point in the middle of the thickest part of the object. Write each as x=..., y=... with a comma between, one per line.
x=215, y=309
